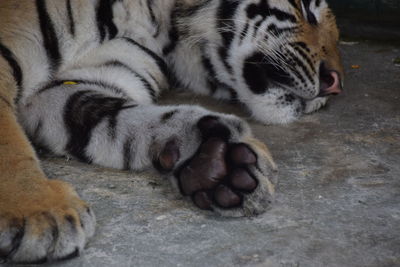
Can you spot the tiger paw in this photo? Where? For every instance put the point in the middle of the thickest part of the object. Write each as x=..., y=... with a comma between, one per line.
x=47, y=223
x=230, y=174
x=315, y=104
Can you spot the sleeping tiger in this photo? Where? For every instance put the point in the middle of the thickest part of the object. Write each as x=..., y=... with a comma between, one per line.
x=81, y=78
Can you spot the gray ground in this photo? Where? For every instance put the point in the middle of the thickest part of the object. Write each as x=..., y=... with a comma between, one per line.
x=338, y=200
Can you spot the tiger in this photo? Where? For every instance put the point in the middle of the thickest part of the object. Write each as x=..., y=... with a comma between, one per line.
x=81, y=79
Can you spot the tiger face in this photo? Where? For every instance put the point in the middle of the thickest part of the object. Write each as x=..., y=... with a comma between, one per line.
x=276, y=56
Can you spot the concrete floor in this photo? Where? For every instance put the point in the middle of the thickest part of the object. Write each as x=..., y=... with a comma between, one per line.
x=338, y=200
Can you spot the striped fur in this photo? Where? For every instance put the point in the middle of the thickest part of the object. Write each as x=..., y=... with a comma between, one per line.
x=82, y=79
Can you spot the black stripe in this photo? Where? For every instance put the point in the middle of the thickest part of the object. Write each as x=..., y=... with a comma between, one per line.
x=180, y=12
x=154, y=79
x=56, y=83
x=104, y=18
x=263, y=9
x=301, y=65
x=12, y=61
x=112, y=126
x=244, y=32
x=212, y=86
x=113, y=121
x=310, y=16
x=209, y=68
x=293, y=3
x=50, y=40
x=302, y=45
x=70, y=18
x=282, y=16
x=306, y=3
x=128, y=153
x=146, y=83
x=168, y=115
x=72, y=223
x=226, y=12
x=173, y=35
x=159, y=61
x=83, y=111
x=234, y=95
x=70, y=256
x=306, y=57
x=213, y=83
x=276, y=31
x=257, y=27
x=260, y=72
x=153, y=17
x=148, y=87
x=17, y=239
x=292, y=64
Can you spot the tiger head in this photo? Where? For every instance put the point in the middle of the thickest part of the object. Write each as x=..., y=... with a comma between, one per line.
x=269, y=50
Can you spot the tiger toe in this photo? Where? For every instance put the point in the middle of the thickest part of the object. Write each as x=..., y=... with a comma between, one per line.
x=56, y=227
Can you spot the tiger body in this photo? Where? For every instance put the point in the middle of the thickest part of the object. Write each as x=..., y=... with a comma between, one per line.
x=82, y=78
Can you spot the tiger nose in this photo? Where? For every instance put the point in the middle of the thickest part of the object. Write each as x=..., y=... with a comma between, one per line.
x=329, y=82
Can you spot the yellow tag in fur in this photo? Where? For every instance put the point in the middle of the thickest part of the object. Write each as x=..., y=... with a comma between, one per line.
x=70, y=83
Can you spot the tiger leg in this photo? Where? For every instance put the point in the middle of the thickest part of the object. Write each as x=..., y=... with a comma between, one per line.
x=211, y=157
x=40, y=219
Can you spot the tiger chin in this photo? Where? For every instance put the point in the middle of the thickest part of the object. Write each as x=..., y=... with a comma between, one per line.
x=82, y=79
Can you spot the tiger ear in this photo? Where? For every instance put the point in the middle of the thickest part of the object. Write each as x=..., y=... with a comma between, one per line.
x=312, y=10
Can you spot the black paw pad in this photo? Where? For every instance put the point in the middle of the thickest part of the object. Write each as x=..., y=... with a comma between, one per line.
x=168, y=157
x=241, y=154
x=226, y=198
x=219, y=175
x=240, y=179
x=202, y=200
x=207, y=169
x=210, y=126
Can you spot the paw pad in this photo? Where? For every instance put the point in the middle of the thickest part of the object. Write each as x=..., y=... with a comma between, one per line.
x=217, y=174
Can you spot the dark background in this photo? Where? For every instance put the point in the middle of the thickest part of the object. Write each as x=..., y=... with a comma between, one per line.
x=368, y=19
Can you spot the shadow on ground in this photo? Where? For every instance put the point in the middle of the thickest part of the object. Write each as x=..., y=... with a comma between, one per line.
x=338, y=200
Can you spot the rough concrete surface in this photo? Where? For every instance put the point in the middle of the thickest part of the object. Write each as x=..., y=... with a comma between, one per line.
x=337, y=203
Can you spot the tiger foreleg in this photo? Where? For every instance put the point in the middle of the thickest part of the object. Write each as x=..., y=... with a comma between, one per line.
x=210, y=157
